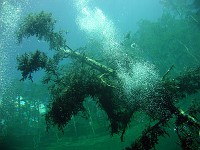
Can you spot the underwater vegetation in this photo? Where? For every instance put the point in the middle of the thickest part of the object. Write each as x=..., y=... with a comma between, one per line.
x=84, y=77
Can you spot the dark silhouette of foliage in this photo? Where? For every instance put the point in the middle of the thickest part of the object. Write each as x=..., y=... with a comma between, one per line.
x=36, y=24
x=42, y=26
x=32, y=62
x=149, y=137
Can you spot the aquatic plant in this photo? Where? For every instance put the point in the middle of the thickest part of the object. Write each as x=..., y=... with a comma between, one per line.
x=85, y=77
x=31, y=62
x=41, y=26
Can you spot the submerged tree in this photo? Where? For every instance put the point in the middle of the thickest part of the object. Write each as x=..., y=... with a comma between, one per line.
x=72, y=83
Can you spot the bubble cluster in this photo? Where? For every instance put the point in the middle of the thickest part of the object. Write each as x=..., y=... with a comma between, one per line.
x=139, y=78
x=10, y=13
x=97, y=26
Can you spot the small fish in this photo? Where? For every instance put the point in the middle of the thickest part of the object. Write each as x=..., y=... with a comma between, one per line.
x=128, y=35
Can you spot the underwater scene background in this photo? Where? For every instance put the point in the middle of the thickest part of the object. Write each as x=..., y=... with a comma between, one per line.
x=97, y=74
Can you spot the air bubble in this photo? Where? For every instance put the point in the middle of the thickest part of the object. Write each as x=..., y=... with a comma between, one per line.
x=139, y=78
x=10, y=14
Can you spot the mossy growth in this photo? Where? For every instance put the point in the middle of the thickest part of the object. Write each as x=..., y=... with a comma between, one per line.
x=39, y=25
x=42, y=26
x=30, y=63
x=79, y=83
